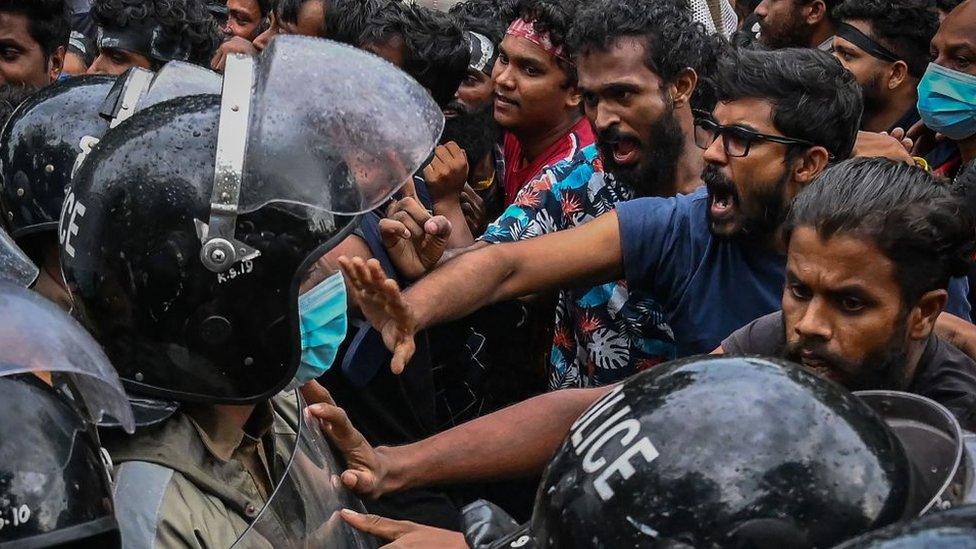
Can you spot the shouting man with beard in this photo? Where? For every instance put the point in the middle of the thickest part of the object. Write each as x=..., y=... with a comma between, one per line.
x=872, y=247
x=712, y=258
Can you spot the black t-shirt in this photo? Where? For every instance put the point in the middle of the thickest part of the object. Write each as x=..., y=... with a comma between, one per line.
x=945, y=374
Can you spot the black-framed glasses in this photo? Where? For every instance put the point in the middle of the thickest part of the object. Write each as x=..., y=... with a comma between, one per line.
x=736, y=140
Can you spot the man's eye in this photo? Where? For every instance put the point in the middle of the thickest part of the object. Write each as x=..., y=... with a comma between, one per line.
x=799, y=292
x=503, y=59
x=851, y=304
x=9, y=53
x=532, y=71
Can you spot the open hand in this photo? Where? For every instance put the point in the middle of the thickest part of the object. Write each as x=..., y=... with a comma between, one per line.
x=384, y=306
x=366, y=467
x=404, y=534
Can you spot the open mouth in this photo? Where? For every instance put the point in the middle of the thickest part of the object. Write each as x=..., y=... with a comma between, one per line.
x=625, y=152
x=723, y=201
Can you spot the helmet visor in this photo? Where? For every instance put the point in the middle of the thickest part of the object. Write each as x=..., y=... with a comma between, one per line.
x=15, y=266
x=333, y=128
x=38, y=337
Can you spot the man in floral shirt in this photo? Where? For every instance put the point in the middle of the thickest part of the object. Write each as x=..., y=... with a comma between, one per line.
x=604, y=334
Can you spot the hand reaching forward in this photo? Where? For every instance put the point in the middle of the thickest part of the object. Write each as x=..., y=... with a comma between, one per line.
x=403, y=534
x=384, y=306
x=367, y=468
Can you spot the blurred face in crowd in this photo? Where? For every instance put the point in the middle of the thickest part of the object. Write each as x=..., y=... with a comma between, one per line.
x=243, y=19
x=751, y=181
x=878, y=78
x=632, y=111
x=22, y=59
x=532, y=93
x=843, y=312
x=477, y=92
x=784, y=24
x=954, y=47
x=310, y=21
x=114, y=61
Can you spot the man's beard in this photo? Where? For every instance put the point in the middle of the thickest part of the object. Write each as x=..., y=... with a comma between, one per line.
x=795, y=34
x=475, y=132
x=871, y=92
x=654, y=174
x=884, y=368
x=770, y=205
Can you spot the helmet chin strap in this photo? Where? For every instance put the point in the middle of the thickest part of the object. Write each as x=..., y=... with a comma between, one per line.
x=221, y=250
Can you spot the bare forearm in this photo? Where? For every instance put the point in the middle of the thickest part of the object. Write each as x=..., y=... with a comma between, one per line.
x=512, y=443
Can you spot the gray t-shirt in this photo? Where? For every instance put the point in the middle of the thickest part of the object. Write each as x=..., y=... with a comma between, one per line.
x=945, y=374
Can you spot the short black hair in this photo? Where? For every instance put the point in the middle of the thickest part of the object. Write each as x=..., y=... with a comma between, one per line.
x=370, y=21
x=673, y=40
x=905, y=27
x=49, y=21
x=488, y=17
x=437, y=52
x=554, y=17
x=814, y=98
x=190, y=20
x=947, y=5
x=921, y=225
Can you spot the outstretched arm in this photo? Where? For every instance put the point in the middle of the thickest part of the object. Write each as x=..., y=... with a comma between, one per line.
x=584, y=255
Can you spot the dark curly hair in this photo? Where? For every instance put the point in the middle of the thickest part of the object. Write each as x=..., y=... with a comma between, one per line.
x=920, y=224
x=814, y=98
x=905, y=27
x=189, y=20
x=673, y=40
x=437, y=53
x=49, y=21
x=554, y=17
x=488, y=17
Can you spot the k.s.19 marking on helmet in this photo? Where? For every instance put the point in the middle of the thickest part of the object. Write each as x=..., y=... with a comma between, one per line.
x=590, y=441
x=71, y=214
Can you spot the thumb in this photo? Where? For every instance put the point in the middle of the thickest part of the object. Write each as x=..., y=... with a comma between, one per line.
x=438, y=226
x=384, y=528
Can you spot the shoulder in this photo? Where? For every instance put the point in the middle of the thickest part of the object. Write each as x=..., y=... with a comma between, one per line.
x=948, y=376
x=685, y=211
x=763, y=336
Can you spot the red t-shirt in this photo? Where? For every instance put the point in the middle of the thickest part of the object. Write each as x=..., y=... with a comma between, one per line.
x=519, y=173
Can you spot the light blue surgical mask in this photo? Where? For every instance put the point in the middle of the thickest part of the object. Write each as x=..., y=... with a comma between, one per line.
x=322, y=312
x=947, y=102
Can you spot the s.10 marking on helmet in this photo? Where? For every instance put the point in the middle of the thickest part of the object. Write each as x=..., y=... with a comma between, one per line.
x=593, y=440
x=15, y=516
x=85, y=146
x=246, y=267
x=71, y=213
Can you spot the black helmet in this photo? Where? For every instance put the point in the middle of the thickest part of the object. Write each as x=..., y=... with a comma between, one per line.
x=934, y=443
x=39, y=146
x=55, y=483
x=724, y=452
x=49, y=135
x=955, y=528
x=192, y=225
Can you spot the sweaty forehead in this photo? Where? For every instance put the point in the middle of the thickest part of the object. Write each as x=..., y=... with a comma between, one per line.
x=749, y=112
x=620, y=63
x=841, y=260
x=959, y=27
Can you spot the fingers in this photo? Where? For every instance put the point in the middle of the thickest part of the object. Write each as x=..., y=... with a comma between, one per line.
x=314, y=393
x=381, y=527
x=438, y=227
x=455, y=151
x=392, y=231
x=336, y=425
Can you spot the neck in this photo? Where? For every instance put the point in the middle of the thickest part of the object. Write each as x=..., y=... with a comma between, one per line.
x=235, y=415
x=967, y=149
x=688, y=170
x=883, y=119
x=823, y=31
x=914, y=356
x=535, y=142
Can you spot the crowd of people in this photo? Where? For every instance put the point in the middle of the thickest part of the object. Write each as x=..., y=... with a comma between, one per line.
x=487, y=273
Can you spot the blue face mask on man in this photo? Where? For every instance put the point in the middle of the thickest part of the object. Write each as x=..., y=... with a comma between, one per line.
x=947, y=102
x=322, y=312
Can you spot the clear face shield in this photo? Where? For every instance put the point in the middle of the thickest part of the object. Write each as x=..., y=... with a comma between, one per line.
x=344, y=143
x=39, y=338
x=15, y=267
x=304, y=509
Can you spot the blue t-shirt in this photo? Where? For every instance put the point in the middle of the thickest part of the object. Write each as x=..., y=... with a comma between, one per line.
x=709, y=286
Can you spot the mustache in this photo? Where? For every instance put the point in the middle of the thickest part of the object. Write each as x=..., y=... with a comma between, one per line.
x=717, y=183
x=613, y=136
x=457, y=107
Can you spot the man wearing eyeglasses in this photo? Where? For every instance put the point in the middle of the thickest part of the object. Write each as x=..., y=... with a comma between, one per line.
x=712, y=258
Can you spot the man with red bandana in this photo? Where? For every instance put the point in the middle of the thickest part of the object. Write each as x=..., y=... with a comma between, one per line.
x=536, y=98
